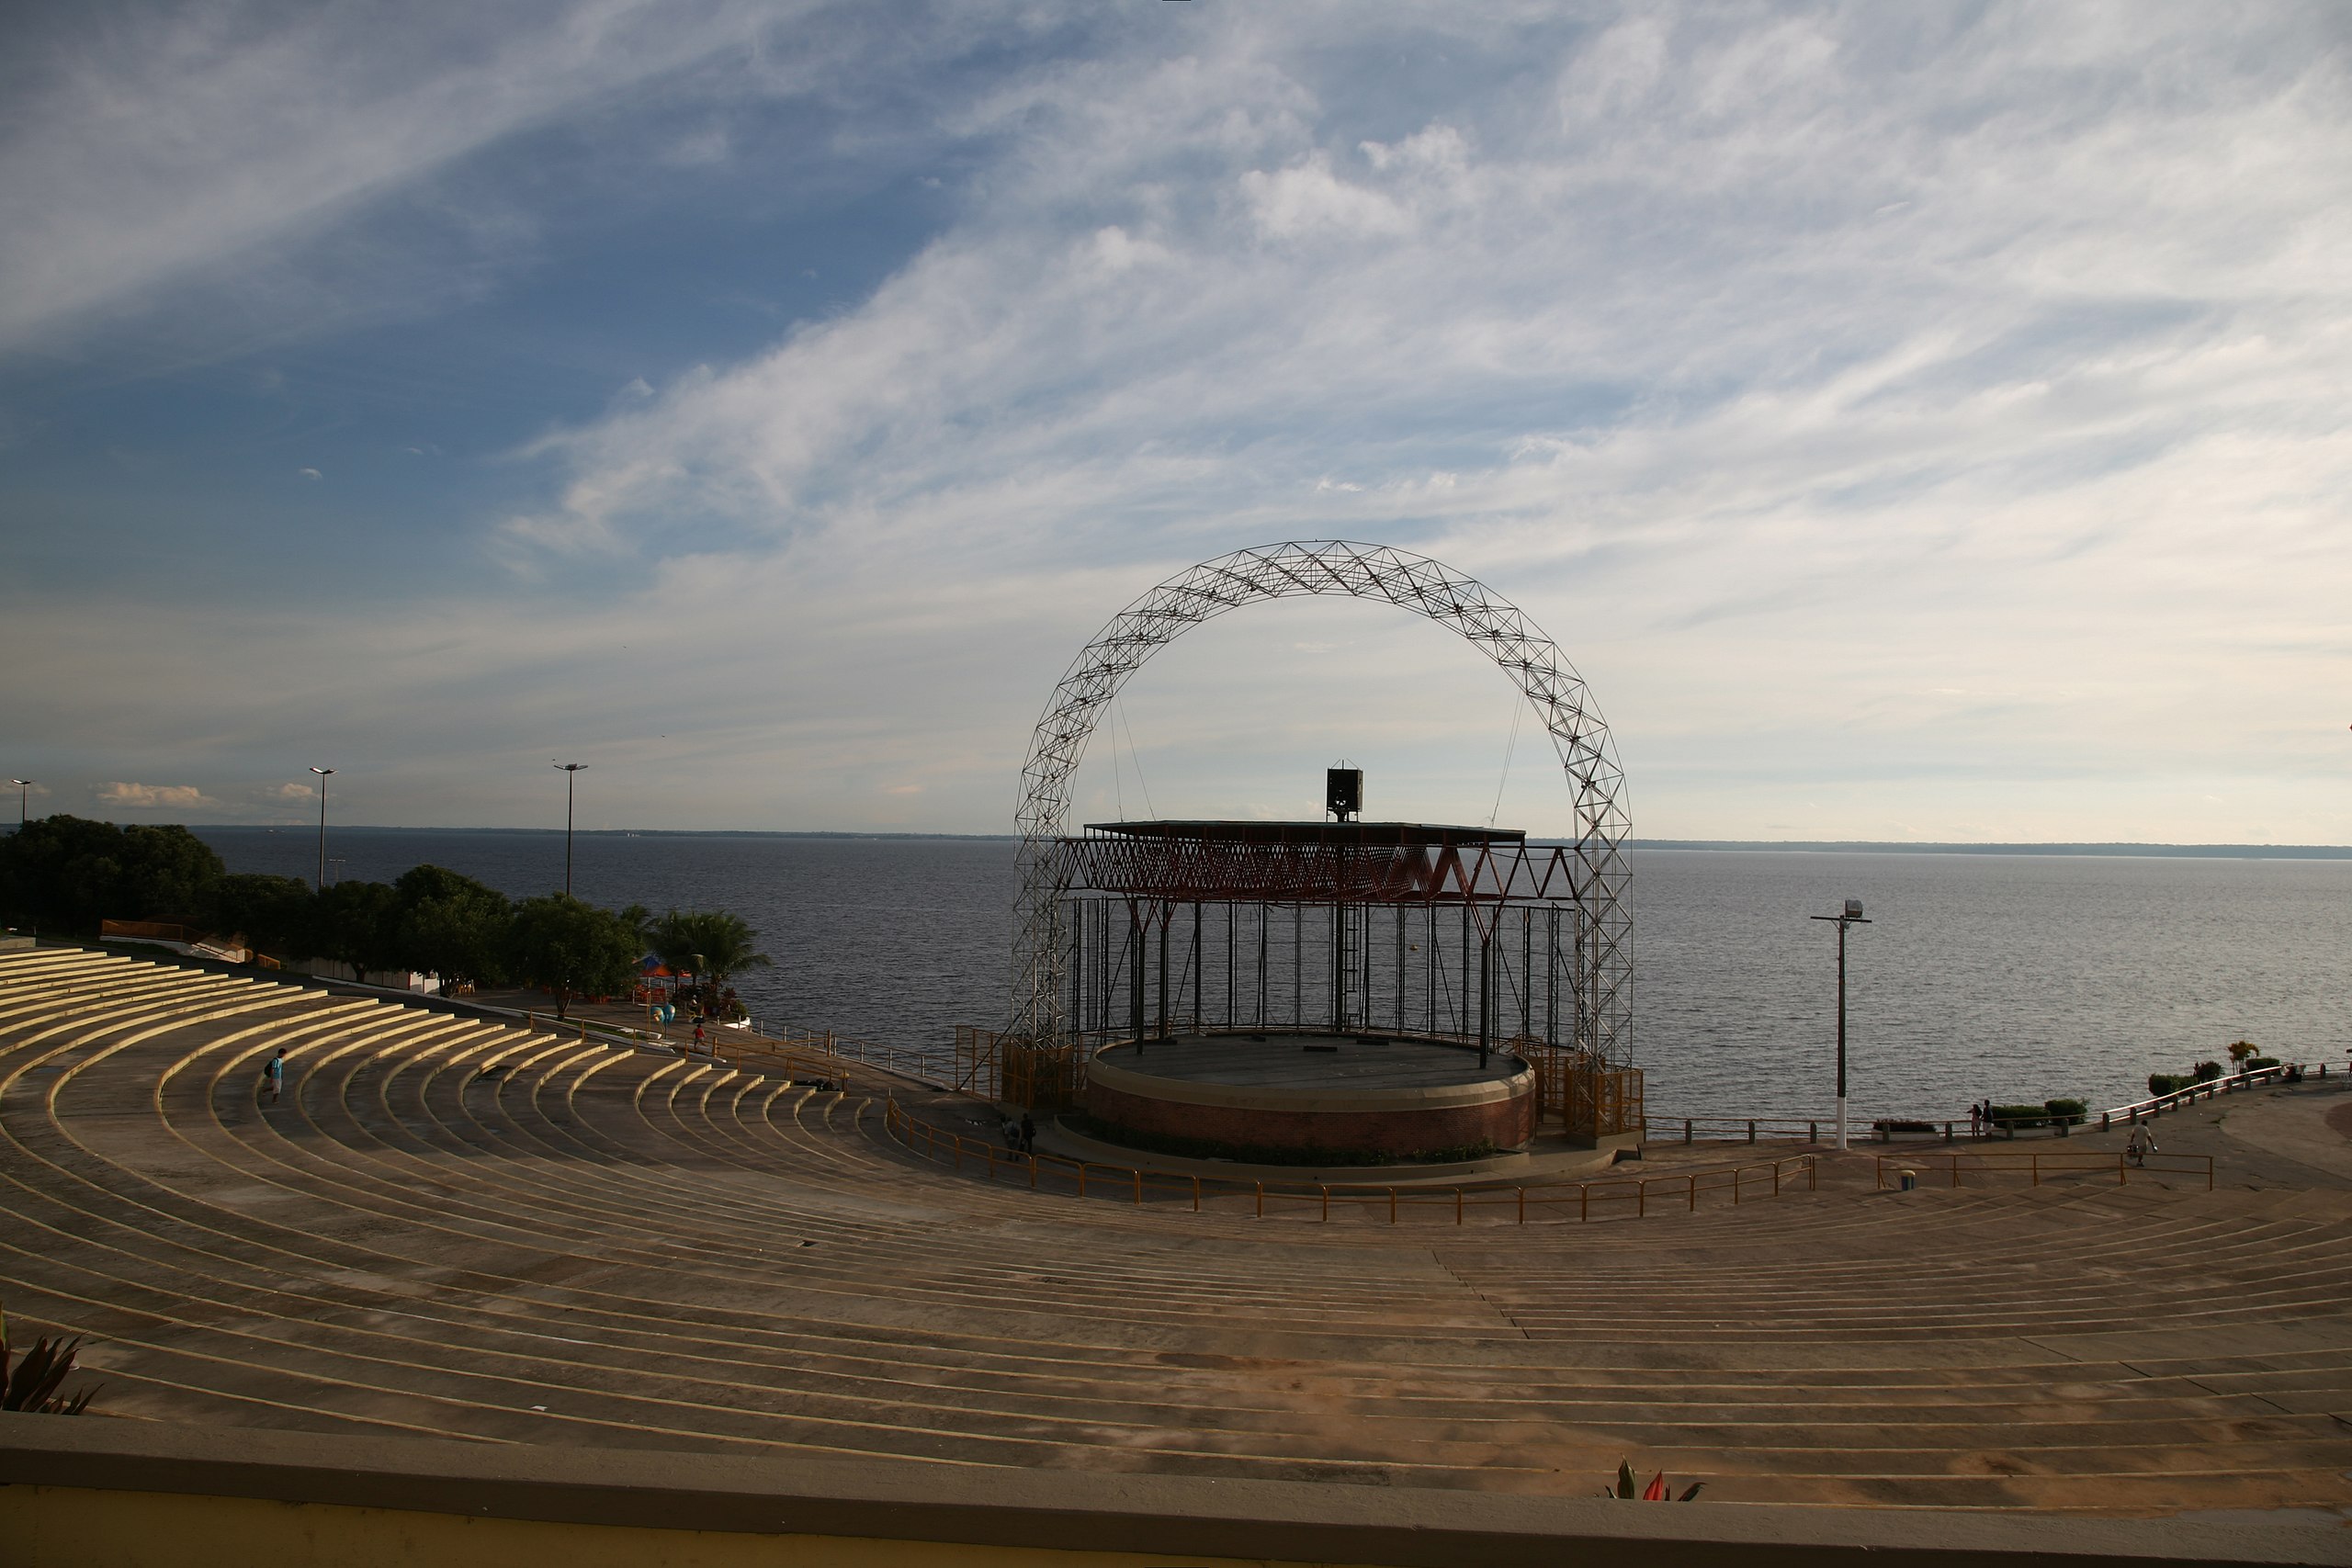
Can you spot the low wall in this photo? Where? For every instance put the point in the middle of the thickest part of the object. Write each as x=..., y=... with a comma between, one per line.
x=1507, y=1123
x=1390, y=1121
x=90, y=1490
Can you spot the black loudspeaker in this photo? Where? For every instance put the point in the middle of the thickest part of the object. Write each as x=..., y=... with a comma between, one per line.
x=1344, y=792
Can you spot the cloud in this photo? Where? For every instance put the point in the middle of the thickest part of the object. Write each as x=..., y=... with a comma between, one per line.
x=141, y=797
x=308, y=473
x=1786, y=364
x=1785, y=330
x=259, y=132
x=288, y=792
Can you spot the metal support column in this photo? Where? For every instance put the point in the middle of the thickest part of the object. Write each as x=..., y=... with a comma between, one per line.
x=1338, y=968
x=1428, y=976
x=1485, y=992
x=1526, y=972
x=1200, y=1005
x=1135, y=976
x=1265, y=916
x=1400, y=968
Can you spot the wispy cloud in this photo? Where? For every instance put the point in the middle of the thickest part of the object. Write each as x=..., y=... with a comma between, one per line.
x=152, y=149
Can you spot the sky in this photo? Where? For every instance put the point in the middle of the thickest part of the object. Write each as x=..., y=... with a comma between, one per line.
x=1917, y=422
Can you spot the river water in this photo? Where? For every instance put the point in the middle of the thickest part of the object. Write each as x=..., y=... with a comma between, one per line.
x=2014, y=977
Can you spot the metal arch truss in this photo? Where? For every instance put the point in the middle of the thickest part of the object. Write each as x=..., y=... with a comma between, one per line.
x=1602, y=879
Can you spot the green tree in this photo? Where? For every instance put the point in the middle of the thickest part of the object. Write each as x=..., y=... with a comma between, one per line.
x=561, y=944
x=67, y=873
x=276, y=915
x=714, y=944
x=453, y=926
x=359, y=923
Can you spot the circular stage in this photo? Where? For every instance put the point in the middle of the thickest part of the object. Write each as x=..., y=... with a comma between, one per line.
x=1299, y=1093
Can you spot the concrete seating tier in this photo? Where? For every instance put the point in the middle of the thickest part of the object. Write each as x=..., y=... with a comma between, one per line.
x=452, y=1226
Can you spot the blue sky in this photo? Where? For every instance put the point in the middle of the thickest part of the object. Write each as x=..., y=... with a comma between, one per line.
x=1916, y=423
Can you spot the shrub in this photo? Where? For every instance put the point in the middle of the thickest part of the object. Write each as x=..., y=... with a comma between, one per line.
x=2165, y=1083
x=2021, y=1116
x=2257, y=1063
x=30, y=1381
x=2207, y=1071
x=2068, y=1110
x=1657, y=1491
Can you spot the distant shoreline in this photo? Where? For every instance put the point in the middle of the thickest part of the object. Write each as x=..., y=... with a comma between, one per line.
x=604, y=832
x=2170, y=852
x=1817, y=846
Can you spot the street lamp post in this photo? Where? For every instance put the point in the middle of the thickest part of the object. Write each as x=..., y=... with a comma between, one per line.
x=1851, y=915
x=571, y=770
x=323, y=774
x=24, y=791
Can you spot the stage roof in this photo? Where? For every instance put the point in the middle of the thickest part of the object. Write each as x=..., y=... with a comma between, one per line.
x=1375, y=834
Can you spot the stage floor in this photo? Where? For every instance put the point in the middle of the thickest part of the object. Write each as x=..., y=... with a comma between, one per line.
x=1284, y=1062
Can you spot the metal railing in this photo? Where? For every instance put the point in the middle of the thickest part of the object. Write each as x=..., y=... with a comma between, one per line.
x=1959, y=1129
x=826, y=1054
x=2035, y=1165
x=1761, y=1129
x=1609, y=1197
x=2228, y=1083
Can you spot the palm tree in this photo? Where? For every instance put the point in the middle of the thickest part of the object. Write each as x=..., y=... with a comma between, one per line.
x=714, y=945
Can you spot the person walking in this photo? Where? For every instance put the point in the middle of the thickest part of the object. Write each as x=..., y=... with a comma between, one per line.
x=273, y=1075
x=1028, y=1134
x=698, y=1035
x=1975, y=1120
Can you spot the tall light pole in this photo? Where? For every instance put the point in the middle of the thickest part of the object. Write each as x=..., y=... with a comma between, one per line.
x=1851, y=915
x=323, y=774
x=24, y=791
x=570, y=771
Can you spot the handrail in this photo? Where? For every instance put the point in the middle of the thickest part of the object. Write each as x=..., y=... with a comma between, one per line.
x=2228, y=1083
x=1885, y=1129
x=2057, y=1163
x=1135, y=1182
x=907, y=1062
x=1756, y=1129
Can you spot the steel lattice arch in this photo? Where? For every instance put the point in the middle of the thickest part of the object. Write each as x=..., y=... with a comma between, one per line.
x=1594, y=862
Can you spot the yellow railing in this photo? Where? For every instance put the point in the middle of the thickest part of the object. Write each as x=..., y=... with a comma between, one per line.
x=1607, y=1197
x=2037, y=1165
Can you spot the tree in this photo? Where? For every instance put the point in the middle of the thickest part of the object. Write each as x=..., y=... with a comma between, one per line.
x=359, y=924
x=561, y=944
x=714, y=945
x=69, y=874
x=278, y=915
x=452, y=926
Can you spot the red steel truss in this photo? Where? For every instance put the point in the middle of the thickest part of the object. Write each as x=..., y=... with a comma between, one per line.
x=1484, y=874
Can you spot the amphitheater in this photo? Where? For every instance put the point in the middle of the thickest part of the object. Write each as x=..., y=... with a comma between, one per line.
x=458, y=1229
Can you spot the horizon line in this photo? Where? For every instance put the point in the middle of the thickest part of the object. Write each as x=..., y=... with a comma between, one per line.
x=1889, y=846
